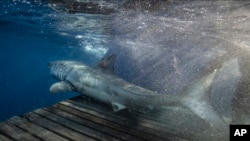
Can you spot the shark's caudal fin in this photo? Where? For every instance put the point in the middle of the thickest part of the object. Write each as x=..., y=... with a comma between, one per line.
x=197, y=100
x=106, y=64
x=61, y=86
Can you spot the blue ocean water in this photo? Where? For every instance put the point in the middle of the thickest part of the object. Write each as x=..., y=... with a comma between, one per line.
x=31, y=35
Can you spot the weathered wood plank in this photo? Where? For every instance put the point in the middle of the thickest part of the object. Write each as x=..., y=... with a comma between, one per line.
x=4, y=138
x=56, y=127
x=93, y=123
x=97, y=106
x=76, y=126
x=15, y=133
x=83, y=119
x=36, y=130
x=106, y=123
x=126, y=119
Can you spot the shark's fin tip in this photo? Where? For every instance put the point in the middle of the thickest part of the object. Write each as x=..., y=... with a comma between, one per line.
x=106, y=64
x=117, y=106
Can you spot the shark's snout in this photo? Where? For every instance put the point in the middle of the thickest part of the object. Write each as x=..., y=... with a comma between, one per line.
x=50, y=64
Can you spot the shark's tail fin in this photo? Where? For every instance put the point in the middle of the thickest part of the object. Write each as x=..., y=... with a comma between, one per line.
x=197, y=100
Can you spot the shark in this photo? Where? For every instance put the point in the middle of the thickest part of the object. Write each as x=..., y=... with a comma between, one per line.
x=78, y=77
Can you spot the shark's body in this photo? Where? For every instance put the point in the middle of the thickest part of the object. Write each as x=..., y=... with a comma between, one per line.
x=166, y=49
x=78, y=77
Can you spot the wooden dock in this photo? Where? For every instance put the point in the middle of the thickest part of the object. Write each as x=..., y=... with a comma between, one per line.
x=84, y=119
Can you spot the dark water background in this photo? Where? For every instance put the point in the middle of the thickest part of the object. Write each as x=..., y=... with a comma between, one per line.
x=30, y=37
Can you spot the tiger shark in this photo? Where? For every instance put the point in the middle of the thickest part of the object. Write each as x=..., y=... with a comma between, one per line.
x=75, y=76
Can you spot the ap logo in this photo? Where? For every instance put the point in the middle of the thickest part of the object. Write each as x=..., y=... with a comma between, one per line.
x=239, y=133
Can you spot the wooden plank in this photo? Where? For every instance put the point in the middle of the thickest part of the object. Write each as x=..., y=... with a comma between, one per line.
x=93, y=123
x=114, y=117
x=4, y=138
x=36, y=130
x=146, y=119
x=80, y=101
x=106, y=123
x=56, y=127
x=127, y=119
x=76, y=126
x=82, y=118
x=130, y=116
x=15, y=133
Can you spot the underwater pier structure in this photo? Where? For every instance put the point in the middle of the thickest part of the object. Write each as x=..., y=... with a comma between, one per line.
x=84, y=119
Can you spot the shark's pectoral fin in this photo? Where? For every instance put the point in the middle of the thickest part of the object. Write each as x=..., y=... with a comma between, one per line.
x=117, y=106
x=62, y=86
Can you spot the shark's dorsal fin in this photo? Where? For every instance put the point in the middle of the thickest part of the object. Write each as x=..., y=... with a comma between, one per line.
x=117, y=106
x=106, y=64
x=62, y=86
